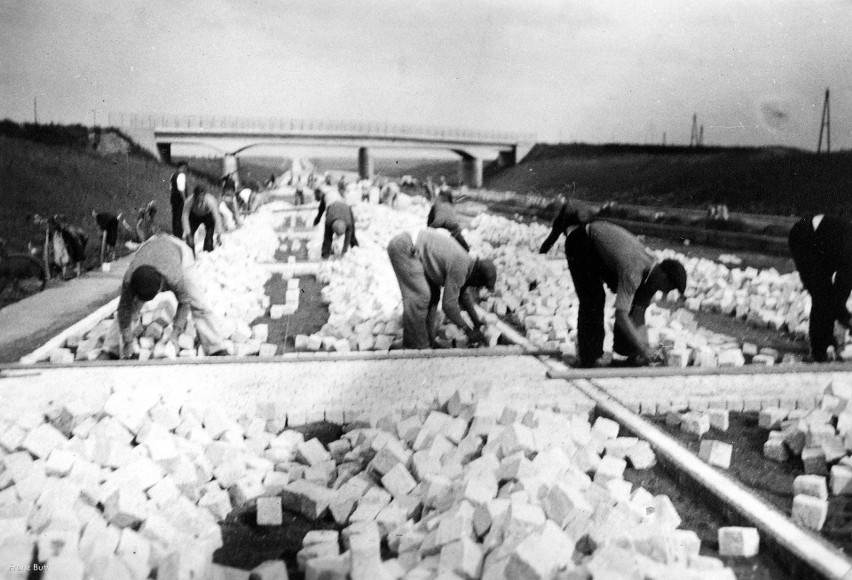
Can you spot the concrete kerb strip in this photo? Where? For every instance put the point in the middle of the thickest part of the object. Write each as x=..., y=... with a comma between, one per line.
x=806, y=546
x=288, y=358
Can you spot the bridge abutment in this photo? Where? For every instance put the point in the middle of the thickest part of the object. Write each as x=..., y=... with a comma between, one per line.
x=365, y=163
x=165, y=152
x=470, y=172
x=230, y=164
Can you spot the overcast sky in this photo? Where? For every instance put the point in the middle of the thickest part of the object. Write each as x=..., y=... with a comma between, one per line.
x=754, y=71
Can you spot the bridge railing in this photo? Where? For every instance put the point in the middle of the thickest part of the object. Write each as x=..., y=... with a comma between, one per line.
x=155, y=121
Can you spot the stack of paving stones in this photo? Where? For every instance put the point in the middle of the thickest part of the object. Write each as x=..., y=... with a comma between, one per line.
x=822, y=439
x=134, y=485
x=232, y=280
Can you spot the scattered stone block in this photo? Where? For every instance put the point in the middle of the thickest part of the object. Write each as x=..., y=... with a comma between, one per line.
x=738, y=541
x=716, y=453
x=812, y=485
x=269, y=511
x=809, y=512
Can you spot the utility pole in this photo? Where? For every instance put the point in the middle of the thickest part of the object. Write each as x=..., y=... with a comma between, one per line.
x=701, y=136
x=694, y=136
x=35, y=110
x=825, y=123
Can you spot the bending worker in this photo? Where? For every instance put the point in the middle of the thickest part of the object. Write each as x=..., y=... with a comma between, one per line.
x=163, y=263
x=201, y=208
x=443, y=215
x=425, y=263
x=820, y=246
x=601, y=253
x=338, y=221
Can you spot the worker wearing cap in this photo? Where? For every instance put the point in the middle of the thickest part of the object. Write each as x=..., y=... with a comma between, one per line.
x=425, y=262
x=601, y=253
x=338, y=221
x=443, y=215
x=821, y=247
x=163, y=263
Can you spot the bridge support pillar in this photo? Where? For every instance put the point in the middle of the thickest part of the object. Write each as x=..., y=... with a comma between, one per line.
x=365, y=163
x=230, y=165
x=471, y=172
x=165, y=151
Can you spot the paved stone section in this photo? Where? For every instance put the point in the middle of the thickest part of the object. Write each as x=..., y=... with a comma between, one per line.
x=746, y=392
x=29, y=323
x=308, y=391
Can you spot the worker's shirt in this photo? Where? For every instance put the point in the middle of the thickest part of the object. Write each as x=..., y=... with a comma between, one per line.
x=170, y=257
x=329, y=197
x=443, y=215
x=445, y=264
x=203, y=207
x=625, y=262
x=339, y=210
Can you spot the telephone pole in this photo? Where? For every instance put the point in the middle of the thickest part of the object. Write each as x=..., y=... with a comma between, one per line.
x=35, y=110
x=693, y=135
x=825, y=123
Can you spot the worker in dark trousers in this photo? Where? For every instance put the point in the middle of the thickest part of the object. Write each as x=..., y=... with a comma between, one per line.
x=338, y=221
x=821, y=247
x=424, y=264
x=201, y=209
x=108, y=225
x=442, y=215
x=601, y=253
x=179, y=192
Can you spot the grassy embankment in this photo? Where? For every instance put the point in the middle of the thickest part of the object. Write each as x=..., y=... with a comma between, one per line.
x=71, y=170
x=774, y=181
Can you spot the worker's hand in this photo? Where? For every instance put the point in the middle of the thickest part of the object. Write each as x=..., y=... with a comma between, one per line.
x=475, y=337
x=658, y=357
x=129, y=350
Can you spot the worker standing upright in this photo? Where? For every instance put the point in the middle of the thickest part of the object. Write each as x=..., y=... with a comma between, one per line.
x=821, y=247
x=179, y=192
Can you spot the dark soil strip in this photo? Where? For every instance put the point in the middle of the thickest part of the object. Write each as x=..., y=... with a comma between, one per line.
x=247, y=545
x=311, y=315
x=771, y=480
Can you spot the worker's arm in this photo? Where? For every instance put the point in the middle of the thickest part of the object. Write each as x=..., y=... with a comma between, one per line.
x=842, y=289
x=217, y=219
x=128, y=309
x=638, y=343
x=556, y=231
x=320, y=212
x=469, y=305
x=451, y=300
x=185, y=219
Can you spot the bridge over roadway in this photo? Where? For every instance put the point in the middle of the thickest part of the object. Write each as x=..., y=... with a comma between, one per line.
x=233, y=135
